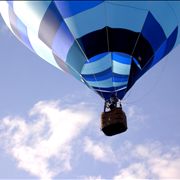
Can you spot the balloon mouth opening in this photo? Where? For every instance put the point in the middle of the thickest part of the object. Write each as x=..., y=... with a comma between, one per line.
x=113, y=122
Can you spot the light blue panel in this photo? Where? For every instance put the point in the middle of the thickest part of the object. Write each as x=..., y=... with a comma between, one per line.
x=31, y=13
x=127, y=17
x=161, y=10
x=22, y=29
x=62, y=42
x=165, y=15
x=97, y=66
x=101, y=84
x=100, y=76
x=76, y=58
x=106, y=83
x=41, y=49
x=118, y=84
x=75, y=74
x=120, y=68
x=87, y=21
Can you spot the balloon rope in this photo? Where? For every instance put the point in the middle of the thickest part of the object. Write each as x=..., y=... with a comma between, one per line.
x=107, y=35
x=87, y=61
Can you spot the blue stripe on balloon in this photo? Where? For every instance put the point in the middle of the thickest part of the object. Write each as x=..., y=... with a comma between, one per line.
x=19, y=28
x=97, y=66
x=121, y=57
x=110, y=89
x=120, y=68
x=153, y=32
x=124, y=16
x=97, y=57
x=107, y=83
x=99, y=76
x=116, y=56
x=87, y=21
x=171, y=40
x=120, y=78
x=62, y=41
x=106, y=95
x=120, y=94
x=75, y=58
x=106, y=75
x=163, y=50
x=49, y=25
x=22, y=29
x=71, y=8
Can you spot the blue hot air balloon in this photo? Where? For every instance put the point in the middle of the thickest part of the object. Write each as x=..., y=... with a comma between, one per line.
x=107, y=45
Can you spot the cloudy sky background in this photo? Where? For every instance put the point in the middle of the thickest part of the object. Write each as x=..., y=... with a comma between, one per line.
x=50, y=123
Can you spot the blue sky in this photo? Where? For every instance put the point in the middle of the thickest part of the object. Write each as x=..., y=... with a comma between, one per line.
x=49, y=122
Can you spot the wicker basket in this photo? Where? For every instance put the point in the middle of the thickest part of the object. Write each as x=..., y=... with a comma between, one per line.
x=113, y=122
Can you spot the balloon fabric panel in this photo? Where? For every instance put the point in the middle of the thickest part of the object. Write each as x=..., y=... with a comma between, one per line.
x=107, y=45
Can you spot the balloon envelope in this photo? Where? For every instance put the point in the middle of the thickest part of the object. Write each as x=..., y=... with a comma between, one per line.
x=107, y=45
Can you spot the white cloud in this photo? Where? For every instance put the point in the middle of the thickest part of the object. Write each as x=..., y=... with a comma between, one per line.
x=43, y=144
x=135, y=114
x=92, y=178
x=152, y=161
x=99, y=151
x=134, y=171
x=136, y=118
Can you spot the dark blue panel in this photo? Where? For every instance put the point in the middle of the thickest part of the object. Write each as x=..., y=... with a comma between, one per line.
x=157, y=56
x=97, y=57
x=134, y=71
x=121, y=94
x=153, y=32
x=108, y=89
x=106, y=75
x=120, y=40
x=120, y=78
x=162, y=51
x=99, y=76
x=171, y=40
x=50, y=24
x=105, y=95
x=70, y=8
x=121, y=57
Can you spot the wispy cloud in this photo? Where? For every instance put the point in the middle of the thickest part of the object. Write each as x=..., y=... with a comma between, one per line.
x=92, y=178
x=136, y=114
x=44, y=141
x=152, y=160
x=43, y=144
x=136, y=118
x=99, y=151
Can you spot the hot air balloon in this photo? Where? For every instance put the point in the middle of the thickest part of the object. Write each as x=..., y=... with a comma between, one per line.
x=107, y=45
